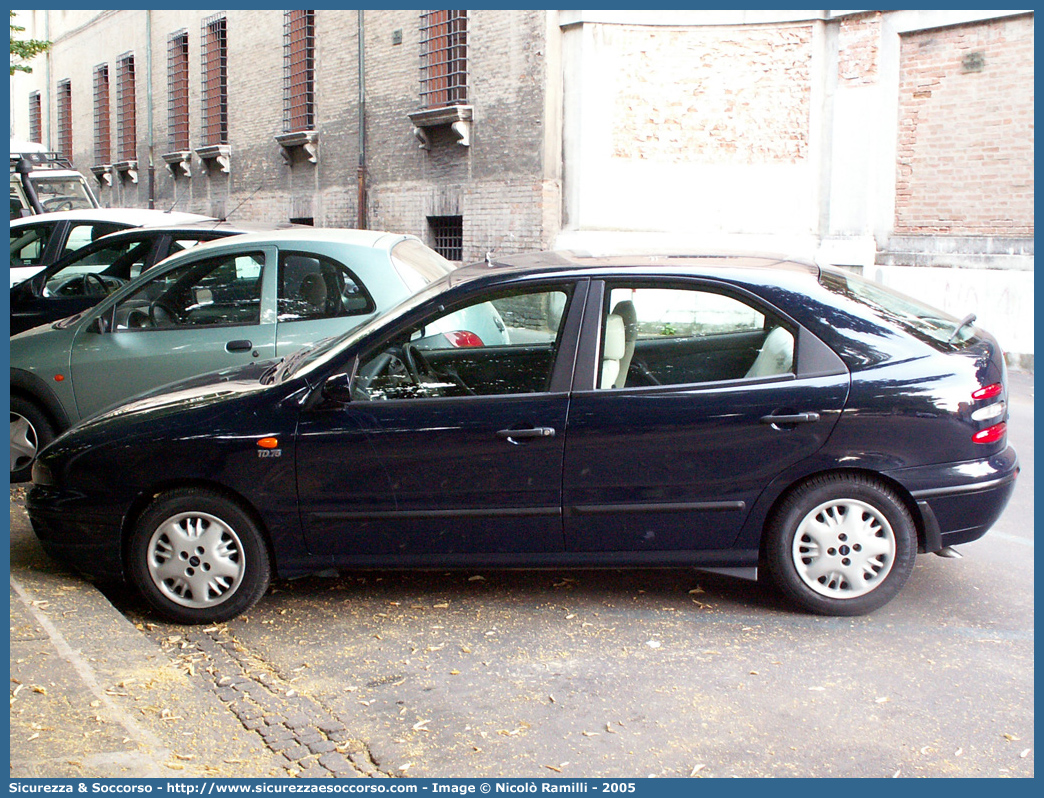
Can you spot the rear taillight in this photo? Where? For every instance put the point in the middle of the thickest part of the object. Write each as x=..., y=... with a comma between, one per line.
x=988, y=392
x=463, y=338
x=991, y=434
x=990, y=412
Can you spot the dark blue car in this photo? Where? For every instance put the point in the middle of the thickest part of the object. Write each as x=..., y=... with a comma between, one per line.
x=727, y=414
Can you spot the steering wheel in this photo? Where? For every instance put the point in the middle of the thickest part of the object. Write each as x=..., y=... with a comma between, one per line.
x=58, y=204
x=161, y=314
x=93, y=284
x=416, y=363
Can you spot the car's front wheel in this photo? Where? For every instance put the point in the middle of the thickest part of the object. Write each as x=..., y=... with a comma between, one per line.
x=198, y=557
x=841, y=545
x=30, y=432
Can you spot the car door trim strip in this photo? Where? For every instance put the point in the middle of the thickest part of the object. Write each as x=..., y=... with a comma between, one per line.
x=505, y=512
x=656, y=507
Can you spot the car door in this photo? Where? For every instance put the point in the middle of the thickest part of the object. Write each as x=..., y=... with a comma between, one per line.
x=198, y=315
x=452, y=445
x=696, y=397
x=81, y=280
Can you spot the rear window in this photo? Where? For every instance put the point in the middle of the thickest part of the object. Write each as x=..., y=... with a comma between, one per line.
x=921, y=320
x=418, y=265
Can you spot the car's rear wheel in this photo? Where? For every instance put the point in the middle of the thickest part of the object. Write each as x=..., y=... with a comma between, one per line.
x=198, y=557
x=841, y=545
x=31, y=430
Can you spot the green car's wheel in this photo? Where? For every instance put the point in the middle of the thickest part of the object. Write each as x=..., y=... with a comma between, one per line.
x=31, y=430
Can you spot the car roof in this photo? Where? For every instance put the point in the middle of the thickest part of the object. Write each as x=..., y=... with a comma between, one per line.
x=132, y=216
x=375, y=239
x=207, y=226
x=708, y=265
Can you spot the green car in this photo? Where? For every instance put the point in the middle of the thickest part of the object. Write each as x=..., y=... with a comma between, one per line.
x=248, y=298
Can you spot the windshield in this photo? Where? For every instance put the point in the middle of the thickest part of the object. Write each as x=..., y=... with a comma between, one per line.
x=917, y=318
x=62, y=193
x=306, y=361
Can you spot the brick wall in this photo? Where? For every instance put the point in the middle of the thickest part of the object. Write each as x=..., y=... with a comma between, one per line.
x=715, y=95
x=965, y=158
x=497, y=184
x=858, y=58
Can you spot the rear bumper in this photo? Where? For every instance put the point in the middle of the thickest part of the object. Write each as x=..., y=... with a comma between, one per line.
x=959, y=502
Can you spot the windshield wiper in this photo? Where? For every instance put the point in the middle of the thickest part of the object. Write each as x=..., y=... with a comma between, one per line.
x=290, y=363
x=268, y=377
x=963, y=323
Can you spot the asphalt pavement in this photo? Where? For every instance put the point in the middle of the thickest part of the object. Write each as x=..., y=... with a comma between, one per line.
x=354, y=676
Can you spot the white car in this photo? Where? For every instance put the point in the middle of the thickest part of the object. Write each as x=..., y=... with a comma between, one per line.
x=38, y=241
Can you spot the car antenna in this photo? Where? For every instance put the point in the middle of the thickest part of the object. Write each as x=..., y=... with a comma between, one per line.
x=242, y=202
x=174, y=204
x=490, y=254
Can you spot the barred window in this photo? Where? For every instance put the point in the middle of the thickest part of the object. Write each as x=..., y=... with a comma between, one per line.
x=447, y=235
x=444, y=58
x=298, y=71
x=65, y=119
x=126, y=109
x=35, y=118
x=215, y=80
x=102, y=136
x=178, y=91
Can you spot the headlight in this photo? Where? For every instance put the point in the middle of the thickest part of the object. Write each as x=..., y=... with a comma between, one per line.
x=42, y=474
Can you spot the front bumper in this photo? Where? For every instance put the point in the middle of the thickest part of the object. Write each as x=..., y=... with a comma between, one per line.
x=87, y=542
x=959, y=502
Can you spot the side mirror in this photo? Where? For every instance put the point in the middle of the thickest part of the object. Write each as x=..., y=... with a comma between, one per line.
x=35, y=284
x=96, y=326
x=338, y=388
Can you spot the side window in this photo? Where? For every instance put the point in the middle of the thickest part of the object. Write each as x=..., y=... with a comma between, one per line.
x=504, y=344
x=316, y=287
x=28, y=244
x=217, y=292
x=677, y=336
x=80, y=235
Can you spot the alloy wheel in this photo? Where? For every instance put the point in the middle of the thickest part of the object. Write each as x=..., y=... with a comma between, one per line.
x=843, y=548
x=196, y=560
x=24, y=442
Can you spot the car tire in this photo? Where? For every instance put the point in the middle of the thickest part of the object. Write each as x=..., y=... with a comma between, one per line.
x=31, y=431
x=841, y=545
x=198, y=557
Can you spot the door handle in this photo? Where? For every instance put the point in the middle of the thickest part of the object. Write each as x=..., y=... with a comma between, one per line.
x=512, y=435
x=796, y=418
x=239, y=346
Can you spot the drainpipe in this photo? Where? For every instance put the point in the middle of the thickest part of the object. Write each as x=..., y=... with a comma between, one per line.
x=47, y=85
x=148, y=102
x=360, y=221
